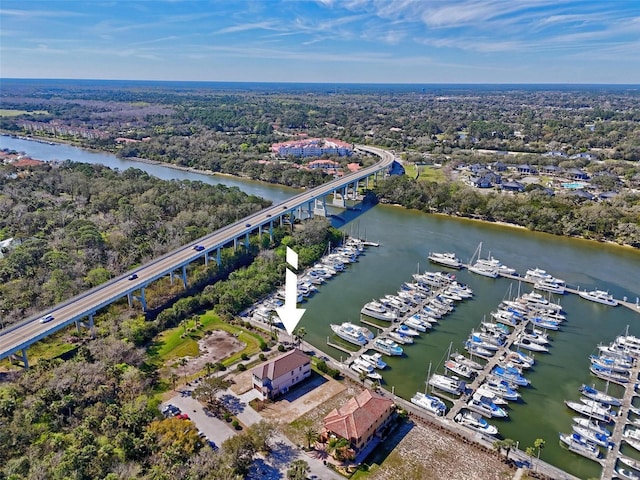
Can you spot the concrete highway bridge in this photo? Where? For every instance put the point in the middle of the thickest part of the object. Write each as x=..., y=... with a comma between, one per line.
x=80, y=310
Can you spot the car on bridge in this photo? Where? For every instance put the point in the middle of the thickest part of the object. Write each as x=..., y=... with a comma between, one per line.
x=46, y=318
x=133, y=276
x=198, y=248
x=248, y=225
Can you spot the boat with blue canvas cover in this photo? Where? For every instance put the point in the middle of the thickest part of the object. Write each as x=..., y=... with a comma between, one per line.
x=510, y=374
x=475, y=421
x=599, y=396
x=591, y=436
x=592, y=425
x=486, y=406
x=578, y=444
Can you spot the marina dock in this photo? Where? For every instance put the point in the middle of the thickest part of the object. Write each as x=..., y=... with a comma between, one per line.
x=609, y=463
x=623, y=302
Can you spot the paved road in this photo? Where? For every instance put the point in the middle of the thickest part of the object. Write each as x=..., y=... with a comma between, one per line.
x=272, y=467
x=21, y=335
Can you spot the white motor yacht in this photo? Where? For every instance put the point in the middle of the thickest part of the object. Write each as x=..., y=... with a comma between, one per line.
x=599, y=296
x=446, y=259
x=475, y=421
x=430, y=403
x=377, y=310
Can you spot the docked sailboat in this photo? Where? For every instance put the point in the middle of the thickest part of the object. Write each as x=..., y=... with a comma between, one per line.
x=488, y=267
x=591, y=424
x=601, y=397
x=460, y=369
x=460, y=358
x=429, y=403
x=609, y=375
x=592, y=436
x=597, y=413
x=578, y=444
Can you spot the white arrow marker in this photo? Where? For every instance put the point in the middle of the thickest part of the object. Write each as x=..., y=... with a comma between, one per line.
x=289, y=314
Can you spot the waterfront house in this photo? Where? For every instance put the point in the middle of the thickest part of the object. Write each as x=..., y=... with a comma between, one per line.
x=526, y=169
x=362, y=420
x=280, y=374
x=498, y=167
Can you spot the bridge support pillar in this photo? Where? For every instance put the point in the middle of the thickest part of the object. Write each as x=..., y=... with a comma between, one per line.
x=184, y=277
x=130, y=299
x=246, y=241
x=320, y=208
x=22, y=357
x=219, y=256
x=235, y=244
x=88, y=325
x=206, y=259
x=142, y=300
x=171, y=277
x=271, y=230
x=339, y=201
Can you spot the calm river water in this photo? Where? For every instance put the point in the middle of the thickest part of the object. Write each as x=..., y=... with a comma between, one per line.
x=406, y=237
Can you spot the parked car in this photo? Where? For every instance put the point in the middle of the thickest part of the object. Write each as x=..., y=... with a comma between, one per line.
x=183, y=416
x=46, y=318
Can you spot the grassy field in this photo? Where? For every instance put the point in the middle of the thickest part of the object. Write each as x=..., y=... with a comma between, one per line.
x=427, y=172
x=14, y=113
x=182, y=340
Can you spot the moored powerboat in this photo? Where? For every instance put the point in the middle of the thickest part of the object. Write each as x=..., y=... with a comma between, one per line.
x=452, y=385
x=430, y=403
x=352, y=333
x=375, y=359
x=387, y=346
x=377, y=310
x=446, y=259
x=475, y=421
x=460, y=369
x=599, y=296
x=486, y=406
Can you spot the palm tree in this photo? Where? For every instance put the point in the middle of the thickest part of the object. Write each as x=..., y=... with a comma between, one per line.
x=310, y=435
x=362, y=375
x=174, y=378
x=298, y=470
x=208, y=367
x=299, y=335
x=183, y=363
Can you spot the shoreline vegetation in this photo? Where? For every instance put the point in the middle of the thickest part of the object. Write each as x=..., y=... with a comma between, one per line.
x=246, y=178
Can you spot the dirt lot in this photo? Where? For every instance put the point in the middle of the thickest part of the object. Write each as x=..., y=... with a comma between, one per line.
x=213, y=348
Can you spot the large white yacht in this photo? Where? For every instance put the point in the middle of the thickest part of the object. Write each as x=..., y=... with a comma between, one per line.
x=446, y=259
x=352, y=333
x=377, y=310
x=599, y=296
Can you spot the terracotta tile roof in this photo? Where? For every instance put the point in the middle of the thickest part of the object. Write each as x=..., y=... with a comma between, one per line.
x=355, y=417
x=281, y=365
x=28, y=162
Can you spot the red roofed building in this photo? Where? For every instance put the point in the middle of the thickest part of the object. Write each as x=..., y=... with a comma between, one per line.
x=279, y=375
x=360, y=420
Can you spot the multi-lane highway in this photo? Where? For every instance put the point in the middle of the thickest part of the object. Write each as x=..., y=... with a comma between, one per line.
x=19, y=336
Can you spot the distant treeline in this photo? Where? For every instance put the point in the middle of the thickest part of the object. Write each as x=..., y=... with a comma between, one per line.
x=616, y=220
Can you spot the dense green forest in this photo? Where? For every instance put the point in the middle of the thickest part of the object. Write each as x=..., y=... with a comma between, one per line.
x=94, y=413
x=78, y=225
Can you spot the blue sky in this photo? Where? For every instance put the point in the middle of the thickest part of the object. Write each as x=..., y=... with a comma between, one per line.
x=370, y=41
